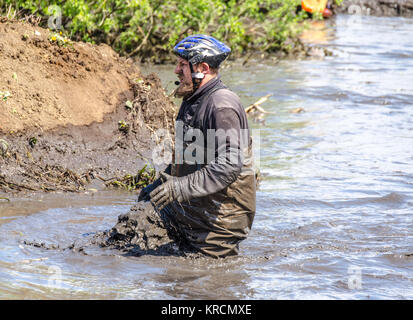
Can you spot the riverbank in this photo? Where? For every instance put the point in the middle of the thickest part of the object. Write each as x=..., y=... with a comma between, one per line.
x=377, y=7
x=74, y=115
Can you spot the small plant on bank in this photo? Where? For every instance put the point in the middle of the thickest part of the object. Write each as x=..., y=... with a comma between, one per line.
x=32, y=141
x=129, y=105
x=4, y=95
x=129, y=182
x=123, y=126
x=59, y=39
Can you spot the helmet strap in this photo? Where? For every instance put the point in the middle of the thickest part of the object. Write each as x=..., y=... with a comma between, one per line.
x=197, y=77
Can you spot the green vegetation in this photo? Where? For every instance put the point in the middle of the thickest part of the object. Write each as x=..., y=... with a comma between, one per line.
x=129, y=105
x=130, y=182
x=59, y=39
x=32, y=141
x=123, y=126
x=4, y=95
x=148, y=29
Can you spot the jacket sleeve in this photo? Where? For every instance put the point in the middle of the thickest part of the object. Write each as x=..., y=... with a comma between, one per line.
x=227, y=164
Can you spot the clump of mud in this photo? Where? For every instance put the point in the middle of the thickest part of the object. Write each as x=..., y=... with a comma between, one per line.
x=145, y=230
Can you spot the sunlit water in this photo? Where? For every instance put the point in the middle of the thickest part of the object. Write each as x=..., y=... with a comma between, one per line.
x=334, y=210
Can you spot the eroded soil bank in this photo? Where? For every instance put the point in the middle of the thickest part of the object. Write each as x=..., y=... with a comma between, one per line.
x=72, y=114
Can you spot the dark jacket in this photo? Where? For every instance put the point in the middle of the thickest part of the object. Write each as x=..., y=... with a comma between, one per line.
x=222, y=206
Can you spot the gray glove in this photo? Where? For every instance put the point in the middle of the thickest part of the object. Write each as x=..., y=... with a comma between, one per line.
x=144, y=195
x=167, y=192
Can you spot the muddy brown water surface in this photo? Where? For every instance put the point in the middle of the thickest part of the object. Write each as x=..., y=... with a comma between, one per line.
x=334, y=210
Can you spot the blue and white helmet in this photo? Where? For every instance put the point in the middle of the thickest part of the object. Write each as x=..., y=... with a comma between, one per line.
x=202, y=48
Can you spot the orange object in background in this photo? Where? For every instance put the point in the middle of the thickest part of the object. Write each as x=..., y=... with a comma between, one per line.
x=327, y=13
x=314, y=5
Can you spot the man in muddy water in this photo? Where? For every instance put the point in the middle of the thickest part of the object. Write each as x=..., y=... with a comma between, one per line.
x=208, y=191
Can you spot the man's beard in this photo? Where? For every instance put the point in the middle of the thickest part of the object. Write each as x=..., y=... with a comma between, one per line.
x=184, y=90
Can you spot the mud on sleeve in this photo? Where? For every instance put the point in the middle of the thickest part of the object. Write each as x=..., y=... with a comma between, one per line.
x=227, y=164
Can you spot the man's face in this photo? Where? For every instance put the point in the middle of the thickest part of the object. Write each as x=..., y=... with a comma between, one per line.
x=184, y=75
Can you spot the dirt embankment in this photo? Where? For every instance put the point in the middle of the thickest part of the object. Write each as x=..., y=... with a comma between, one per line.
x=377, y=7
x=72, y=113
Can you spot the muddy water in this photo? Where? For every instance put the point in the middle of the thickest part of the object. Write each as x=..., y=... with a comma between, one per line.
x=335, y=207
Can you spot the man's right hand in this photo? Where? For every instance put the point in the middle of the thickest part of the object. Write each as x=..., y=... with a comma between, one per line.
x=144, y=195
x=166, y=193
